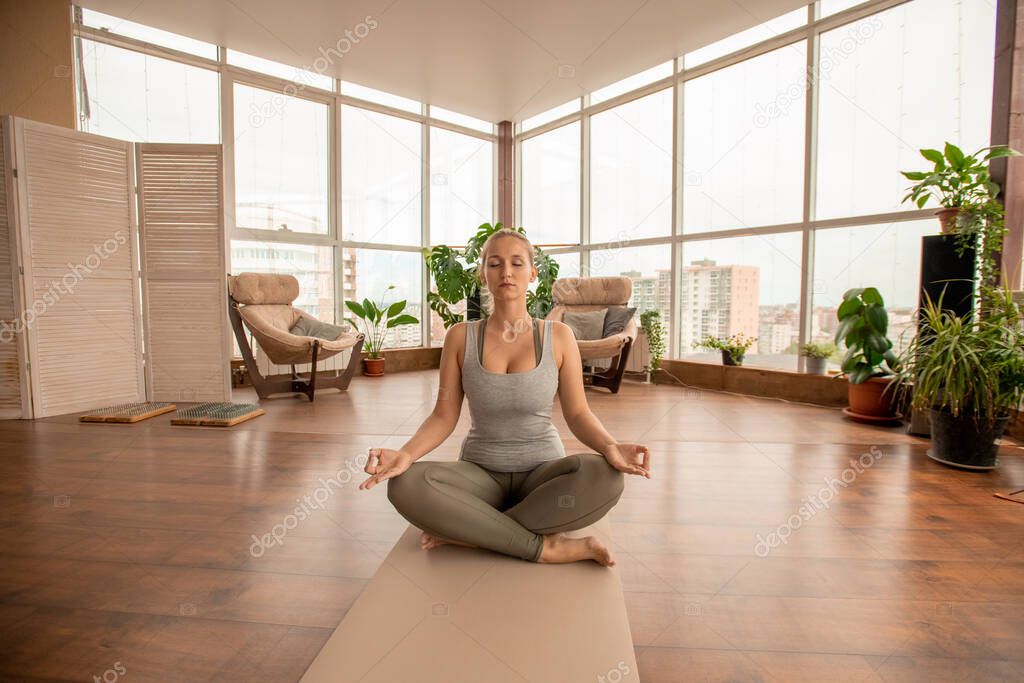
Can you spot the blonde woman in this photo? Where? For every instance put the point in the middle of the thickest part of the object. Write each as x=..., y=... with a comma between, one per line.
x=513, y=489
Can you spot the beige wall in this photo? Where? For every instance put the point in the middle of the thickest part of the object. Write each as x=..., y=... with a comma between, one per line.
x=36, y=71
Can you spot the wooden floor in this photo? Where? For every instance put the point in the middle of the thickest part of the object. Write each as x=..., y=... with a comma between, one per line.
x=131, y=552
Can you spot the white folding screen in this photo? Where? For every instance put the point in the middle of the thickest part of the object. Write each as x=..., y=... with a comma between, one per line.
x=80, y=301
x=182, y=244
x=12, y=354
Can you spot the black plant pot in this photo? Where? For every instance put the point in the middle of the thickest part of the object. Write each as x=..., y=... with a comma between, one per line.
x=730, y=359
x=963, y=442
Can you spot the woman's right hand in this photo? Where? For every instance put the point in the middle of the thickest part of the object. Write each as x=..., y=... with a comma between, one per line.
x=383, y=464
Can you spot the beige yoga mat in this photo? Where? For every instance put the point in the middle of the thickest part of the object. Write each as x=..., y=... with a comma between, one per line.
x=464, y=614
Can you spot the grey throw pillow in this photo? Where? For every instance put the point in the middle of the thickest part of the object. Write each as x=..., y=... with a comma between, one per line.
x=616, y=319
x=586, y=325
x=308, y=326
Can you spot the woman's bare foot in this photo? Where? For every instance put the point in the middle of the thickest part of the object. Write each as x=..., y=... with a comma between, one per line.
x=559, y=548
x=429, y=541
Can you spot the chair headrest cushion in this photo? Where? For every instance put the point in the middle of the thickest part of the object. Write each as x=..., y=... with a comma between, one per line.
x=573, y=291
x=263, y=288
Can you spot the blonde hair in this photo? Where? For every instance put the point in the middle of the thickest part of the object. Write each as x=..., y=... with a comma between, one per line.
x=497, y=234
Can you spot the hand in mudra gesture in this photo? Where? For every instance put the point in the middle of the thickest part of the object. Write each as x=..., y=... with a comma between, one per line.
x=631, y=458
x=383, y=464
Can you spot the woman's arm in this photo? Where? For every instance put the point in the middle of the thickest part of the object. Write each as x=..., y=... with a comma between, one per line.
x=441, y=422
x=571, y=396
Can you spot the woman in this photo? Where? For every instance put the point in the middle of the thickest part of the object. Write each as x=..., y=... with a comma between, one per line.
x=513, y=489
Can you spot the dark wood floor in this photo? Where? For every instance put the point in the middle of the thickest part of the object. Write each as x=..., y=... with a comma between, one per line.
x=127, y=551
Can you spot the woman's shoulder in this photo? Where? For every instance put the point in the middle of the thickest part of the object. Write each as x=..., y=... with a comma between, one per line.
x=561, y=336
x=455, y=340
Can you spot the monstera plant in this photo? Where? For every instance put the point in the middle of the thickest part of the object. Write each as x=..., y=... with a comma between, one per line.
x=455, y=273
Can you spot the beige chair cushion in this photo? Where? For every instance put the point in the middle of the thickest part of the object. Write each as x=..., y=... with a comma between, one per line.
x=591, y=294
x=263, y=288
x=270, y=325
x=574, y=291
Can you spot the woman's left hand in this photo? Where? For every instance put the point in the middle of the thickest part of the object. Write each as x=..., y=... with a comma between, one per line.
x=631, y=458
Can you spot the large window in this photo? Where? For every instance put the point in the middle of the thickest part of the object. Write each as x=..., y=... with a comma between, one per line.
x=650, y=269
x=312, y=176
x=755, y=155
x=782, y=24
x=887, y=257
x=302, y=77
x=461, y=186
x=132, y=96
x=130, y=29
x=372, y=272
x=743, y=285
x=282, y=162
x=551, y=186
x=380, y=170
x=631, y=170
x=312, y=266
x=913, y=76
x=550, y=115
x=743, y=149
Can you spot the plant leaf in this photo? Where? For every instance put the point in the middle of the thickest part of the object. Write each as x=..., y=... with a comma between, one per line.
x=395, y=308
x=878, y=319
x=934, y=156
x=849, y=307
x=356, y=308
x=404, y=319
x=955, y=156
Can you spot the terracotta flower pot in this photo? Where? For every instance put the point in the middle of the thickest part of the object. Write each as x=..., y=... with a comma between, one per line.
x=866, y=398
x=946, y=217
x=373, y=367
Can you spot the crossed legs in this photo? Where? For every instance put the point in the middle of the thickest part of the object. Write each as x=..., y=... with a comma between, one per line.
x=465, y=503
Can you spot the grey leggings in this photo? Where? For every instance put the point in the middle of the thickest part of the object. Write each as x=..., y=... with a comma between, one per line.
x=507, y=512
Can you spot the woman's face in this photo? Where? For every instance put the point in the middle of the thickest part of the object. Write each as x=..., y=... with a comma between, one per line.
x=508, y=270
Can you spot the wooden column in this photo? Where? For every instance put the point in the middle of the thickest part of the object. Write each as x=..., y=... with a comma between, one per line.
x=506, y=174
x=1008, y=129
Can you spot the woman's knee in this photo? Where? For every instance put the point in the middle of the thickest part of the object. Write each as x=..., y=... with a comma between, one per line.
x=609, y=479
x=408, y=485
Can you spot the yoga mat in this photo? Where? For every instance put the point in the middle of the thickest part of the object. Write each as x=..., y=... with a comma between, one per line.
x=465, y=614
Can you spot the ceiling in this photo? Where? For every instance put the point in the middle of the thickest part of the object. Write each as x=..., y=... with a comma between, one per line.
x=493, y=60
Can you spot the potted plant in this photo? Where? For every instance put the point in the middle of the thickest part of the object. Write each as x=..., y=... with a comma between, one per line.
x=377, y=321
x=733, y=348
x=956, y=180
x=652, y=326
x=870, y=360
x=816, y=356
x=968, y=373
x=455, y=273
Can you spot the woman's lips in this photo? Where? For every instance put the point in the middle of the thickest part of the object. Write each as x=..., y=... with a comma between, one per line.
x=506, y=284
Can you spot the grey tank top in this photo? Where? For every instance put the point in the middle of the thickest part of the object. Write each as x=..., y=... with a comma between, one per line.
x=511, y=427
